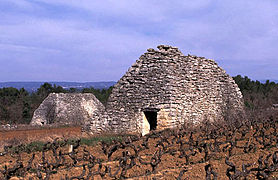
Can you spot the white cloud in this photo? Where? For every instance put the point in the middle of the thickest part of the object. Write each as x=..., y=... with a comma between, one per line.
x=26, y=49
x=113, y=34
x=19, y=3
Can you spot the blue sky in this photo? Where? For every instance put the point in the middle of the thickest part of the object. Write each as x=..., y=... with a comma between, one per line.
x=90, y=40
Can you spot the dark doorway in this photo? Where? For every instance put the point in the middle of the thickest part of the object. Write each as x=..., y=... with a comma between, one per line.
x=152, y=119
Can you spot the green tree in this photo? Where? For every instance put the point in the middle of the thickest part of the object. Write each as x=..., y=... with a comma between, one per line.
x=44, y=90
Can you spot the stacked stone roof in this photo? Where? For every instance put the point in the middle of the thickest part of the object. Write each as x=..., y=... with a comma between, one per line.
x=181, y=88
x=71, y=108
x=178, y=88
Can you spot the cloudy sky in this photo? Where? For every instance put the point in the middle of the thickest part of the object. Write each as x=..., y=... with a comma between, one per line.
x=97, y=40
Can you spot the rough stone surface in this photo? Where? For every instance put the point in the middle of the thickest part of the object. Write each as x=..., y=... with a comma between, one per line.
x=71, y=108
x=174, y=88
x=180, y=88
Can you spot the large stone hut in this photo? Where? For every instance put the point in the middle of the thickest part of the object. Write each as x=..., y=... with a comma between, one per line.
x=165, y=88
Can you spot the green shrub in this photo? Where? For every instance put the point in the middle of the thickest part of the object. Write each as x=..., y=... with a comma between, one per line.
x=94, y=140
x=35, y=146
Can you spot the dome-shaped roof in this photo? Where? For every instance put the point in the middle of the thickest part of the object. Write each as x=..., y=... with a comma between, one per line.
x=170, y=88
x=71, y=108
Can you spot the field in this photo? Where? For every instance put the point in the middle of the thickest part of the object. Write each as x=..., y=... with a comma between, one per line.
x=207, y=152
x=34, y=134
x=27, y=135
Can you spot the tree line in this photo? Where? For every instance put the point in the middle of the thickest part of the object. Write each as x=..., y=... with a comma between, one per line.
x=257, y=95
x=17, y=105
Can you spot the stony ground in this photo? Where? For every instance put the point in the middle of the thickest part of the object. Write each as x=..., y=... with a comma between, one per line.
x=243, y=152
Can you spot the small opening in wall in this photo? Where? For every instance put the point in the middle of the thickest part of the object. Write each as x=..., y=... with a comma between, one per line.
x=152, y=119
x=42, y=123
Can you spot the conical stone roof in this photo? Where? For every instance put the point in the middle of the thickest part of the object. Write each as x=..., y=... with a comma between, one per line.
x=176, y=87
x=71, y=108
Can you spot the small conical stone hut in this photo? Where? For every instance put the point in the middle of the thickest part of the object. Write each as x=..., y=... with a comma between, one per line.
x=165, y=89
x=71, y=108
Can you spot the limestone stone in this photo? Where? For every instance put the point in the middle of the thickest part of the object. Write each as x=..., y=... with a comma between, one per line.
x=162, y=89
x=71, y=108
x=180, y=88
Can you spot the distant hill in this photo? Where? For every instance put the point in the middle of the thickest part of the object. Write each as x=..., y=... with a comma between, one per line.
x=33, y=86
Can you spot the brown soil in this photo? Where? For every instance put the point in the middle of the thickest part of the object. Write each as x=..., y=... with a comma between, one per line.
x=38, y=134
x=169, y=168
x=15, y=137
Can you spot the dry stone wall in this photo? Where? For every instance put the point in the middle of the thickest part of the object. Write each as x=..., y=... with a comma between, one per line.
x=163, y=89
x=180, y=88
x=71, y=108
